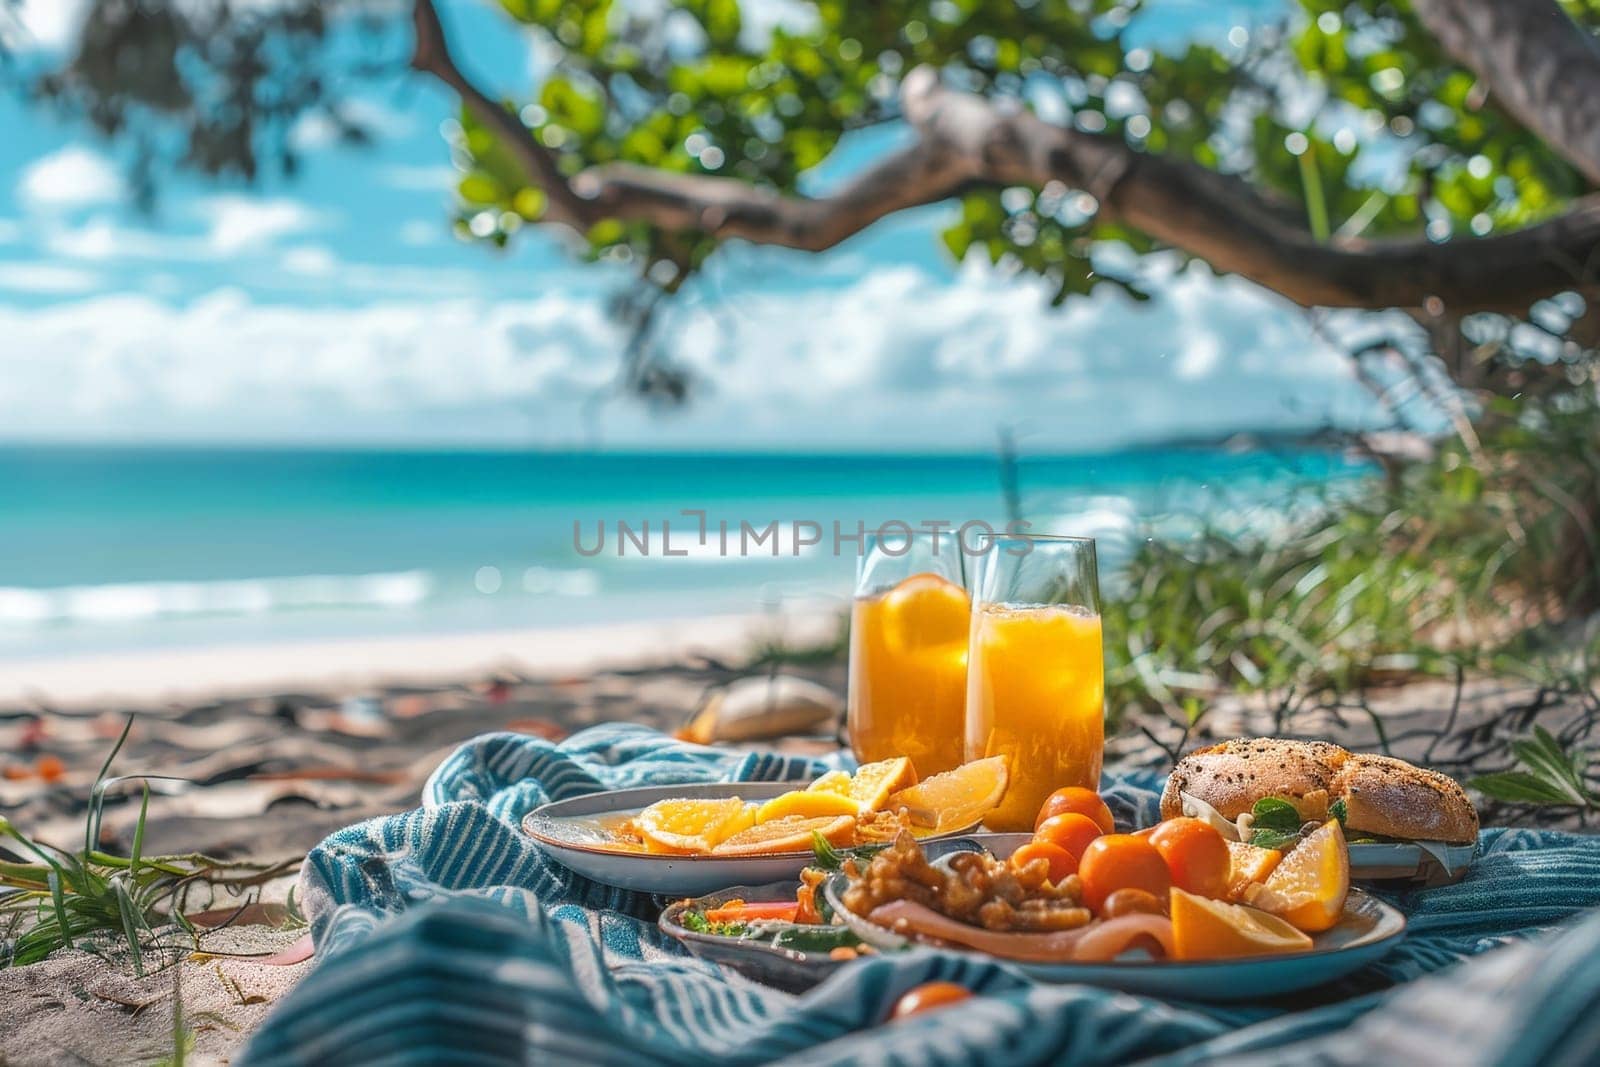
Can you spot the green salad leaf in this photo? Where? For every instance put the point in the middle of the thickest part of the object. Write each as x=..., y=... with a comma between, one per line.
x=1339, y=811
x=695, y=919
x=1276, y=824
x=832, y=859
x=828, y=857
x=816, y=938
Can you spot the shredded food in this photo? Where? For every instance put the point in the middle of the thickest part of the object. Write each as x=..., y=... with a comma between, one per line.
x=977, y=889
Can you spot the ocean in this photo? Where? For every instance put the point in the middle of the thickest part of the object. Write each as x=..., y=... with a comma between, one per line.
x=118, y=549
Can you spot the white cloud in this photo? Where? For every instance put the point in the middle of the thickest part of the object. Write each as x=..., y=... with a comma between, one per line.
x=313, y=260
x=230, y=226
x=245, y=223
x=46, y=278
x=72, y=177
x=102, y=238
x=899, y=359
x=225, y=366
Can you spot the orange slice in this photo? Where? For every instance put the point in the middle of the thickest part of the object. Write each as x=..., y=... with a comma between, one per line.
x=926, y=611
x=792, y=833
x=874, y=783
x=1248, y=863
x=955, y=798
x=1308, y=886
x=832, y=782
x=688, y=826
x=1205, y=929
x=807, y=805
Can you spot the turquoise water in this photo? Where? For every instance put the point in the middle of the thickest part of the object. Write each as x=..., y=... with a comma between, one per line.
x=107, y=549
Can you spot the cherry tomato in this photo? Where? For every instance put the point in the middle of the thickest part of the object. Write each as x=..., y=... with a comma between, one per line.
x=1074, y=798
x=1071, y=831
x=1062, y=862
x=1121, y=861
x=930, y=996
x=1195, y=854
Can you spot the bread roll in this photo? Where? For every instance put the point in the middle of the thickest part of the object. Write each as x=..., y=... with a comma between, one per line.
x=1382, y=795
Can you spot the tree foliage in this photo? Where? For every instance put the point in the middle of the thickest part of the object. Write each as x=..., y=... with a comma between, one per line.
x=1349, y=112
x=1348, y=117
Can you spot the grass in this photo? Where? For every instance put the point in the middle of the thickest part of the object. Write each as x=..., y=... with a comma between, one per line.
x=133, y=906
x=1473, y=560
x=771, y=650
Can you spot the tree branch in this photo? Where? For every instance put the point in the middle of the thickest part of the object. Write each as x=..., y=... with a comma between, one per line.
x=964, y=140
x=431, y=55
x=1536, y=63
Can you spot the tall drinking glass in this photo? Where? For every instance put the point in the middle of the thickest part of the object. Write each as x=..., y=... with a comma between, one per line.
x=1036, y=672
x=908, y=651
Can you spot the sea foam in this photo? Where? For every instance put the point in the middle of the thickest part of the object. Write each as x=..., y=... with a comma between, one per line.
x=133, y=601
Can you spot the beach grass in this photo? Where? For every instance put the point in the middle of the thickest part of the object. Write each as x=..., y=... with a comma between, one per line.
x=1476, y=559
x=104, y=903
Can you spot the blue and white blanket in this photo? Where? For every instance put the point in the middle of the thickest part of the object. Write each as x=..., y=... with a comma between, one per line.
x=444, y=936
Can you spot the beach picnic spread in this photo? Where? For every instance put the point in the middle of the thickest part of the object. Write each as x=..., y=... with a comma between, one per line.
x=448, y=934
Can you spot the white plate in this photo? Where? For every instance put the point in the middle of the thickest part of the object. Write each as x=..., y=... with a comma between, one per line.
x=565, y=831
x=1368, y=930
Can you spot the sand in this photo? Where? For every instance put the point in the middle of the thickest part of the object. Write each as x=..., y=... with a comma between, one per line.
x=164, y=676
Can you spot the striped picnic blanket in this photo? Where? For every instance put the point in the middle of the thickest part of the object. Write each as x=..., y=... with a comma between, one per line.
x=444, y=936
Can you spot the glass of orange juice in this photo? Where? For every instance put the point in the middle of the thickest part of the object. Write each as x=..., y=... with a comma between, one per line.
x=908, y=651
x=1036, y=672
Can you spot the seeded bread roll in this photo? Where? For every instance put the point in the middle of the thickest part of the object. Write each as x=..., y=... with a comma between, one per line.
x=1232, y=776
x=1392, y=798
x=1382, y=796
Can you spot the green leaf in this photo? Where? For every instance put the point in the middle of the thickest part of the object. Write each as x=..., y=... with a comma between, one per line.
x=138, y=834
x=1273, y=839
x=694, y=919
x=722, y=21
x=91, y=826
x=828, y=857
x=607, y=232
x=815, y=938
x=1271, y=813
x=58, y=901
x=529, y=203
x=1339, y=810
x=132, y=921
x=1546, y=760
x=1276, y=823
x=480, y=188
x=1519, y=787
x=957, y=239
x=574, y=106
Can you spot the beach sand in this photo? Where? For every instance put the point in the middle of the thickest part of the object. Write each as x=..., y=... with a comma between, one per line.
x=280, y=746
x=164, y=676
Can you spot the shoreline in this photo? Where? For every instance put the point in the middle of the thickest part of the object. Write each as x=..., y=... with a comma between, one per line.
x=168, y=676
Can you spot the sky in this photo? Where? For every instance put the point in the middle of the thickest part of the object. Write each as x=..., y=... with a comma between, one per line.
x=337, y=308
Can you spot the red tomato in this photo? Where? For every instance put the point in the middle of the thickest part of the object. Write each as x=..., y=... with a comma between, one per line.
x=1195, y=854
x=1121, y=861
x=930, y=996
x=1062, y=862
x=1071, y=831
x=1074, y=798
